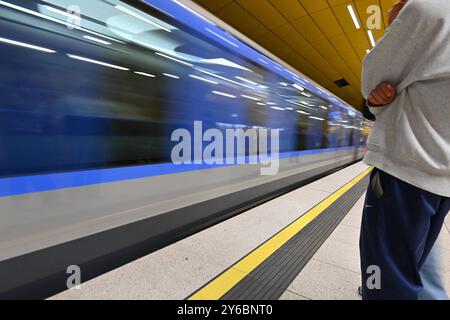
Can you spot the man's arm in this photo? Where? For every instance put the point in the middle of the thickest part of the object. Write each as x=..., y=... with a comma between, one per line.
x=396, y=57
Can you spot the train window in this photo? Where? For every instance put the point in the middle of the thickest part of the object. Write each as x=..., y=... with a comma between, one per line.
x=100, y=83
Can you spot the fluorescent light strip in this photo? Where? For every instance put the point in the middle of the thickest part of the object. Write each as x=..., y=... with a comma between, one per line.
x=97, y=40
x=323, y=107
x=263, y=61
x=26, y=45
x=277, y=108
x=306, y=94
x=292, y=73
x=353, y=15
x=371, y=38
x=271, y=103
x=97, y=62
x=249, y=97
x=300, y=105
x=192, y=11
x=305, y=103
x=145, y=74
x=246, y=80
x=303, y=112
x=171, y=76
x=40, y=15
x=317, y=118
x=261, y=104
x=174, y=59
x=224, y=94
x=202, y=79
x=138, y=16
x=302, y=80
x=223, y=38
x=63, y=13
x=225, y=79
x=298, y=87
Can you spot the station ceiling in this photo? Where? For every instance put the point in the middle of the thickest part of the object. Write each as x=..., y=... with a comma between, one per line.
x=317, y=37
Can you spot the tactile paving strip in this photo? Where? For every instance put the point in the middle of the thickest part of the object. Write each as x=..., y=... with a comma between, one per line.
x=271, y=278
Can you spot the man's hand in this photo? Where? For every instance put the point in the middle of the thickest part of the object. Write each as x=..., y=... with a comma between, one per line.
x=384, y=94
x=395, y=10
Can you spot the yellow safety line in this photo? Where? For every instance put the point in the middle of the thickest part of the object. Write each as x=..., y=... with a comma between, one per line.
x=218, y=287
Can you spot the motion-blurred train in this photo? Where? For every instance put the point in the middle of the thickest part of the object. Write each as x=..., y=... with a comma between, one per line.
x=91, y=91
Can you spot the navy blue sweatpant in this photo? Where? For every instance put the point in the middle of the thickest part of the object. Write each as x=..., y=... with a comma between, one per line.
x=399, y=227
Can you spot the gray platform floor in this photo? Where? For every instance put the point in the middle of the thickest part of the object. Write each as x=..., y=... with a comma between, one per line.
x=178, y=270
x=333, y=273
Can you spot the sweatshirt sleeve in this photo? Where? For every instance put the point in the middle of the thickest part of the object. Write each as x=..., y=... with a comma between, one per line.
x=377, y=110
x=395, y=57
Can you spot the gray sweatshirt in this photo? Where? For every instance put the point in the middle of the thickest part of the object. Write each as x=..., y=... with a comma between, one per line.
x=411, y=137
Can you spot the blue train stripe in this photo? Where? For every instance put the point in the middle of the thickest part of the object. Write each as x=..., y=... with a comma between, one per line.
x=55, y=181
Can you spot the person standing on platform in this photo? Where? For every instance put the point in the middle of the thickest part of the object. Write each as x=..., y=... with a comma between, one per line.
x=406, y=81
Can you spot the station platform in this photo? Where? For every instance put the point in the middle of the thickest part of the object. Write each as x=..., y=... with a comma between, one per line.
x=301, y=245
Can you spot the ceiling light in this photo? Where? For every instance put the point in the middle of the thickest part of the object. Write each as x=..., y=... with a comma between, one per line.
x=72, y=56
x=202, y=79
x=223, y=78
x=371, y=38
x=223, y=94
x=145, y=74
x=317, y=118
x=171, y=76
x=26, y=45
x=97, y=40
x=249, y=97
x=353, y=15
x=263, y=61
x=300, y=105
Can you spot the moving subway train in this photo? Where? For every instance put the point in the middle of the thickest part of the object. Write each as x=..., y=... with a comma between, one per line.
x=91, y=93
